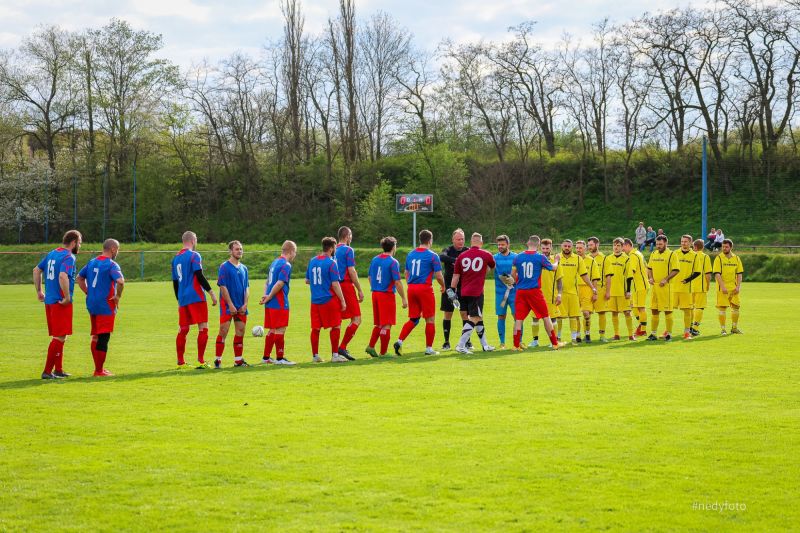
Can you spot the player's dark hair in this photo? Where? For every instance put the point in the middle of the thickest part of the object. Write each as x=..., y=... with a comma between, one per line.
x=232, y=244
x=71, y=236
x=618, y=240
x=388, y=244
x=580, y=242
x=698, y=244
x=534, y=240
x=627, y=241
x=343, y=232
x=502, y=238
x=662, y=237
x=328, y=244
x=728, y=242
x=425, y=236
x=566, y=241
x=547, y=241
x=593, y=239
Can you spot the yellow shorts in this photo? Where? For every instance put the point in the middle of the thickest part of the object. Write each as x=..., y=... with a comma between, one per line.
x=639, y=299
x=601, y=305
x=700, y=300
x=553, y=310
x=570, y=305
x=661, y=298
x=585, y=298
x=727, y=300
x=683, y=300
x=619, y=304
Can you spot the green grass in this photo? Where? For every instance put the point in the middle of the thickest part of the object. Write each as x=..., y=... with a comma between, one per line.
x=618, y=436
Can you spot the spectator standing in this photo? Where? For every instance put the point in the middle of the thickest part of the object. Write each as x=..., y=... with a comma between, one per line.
x=641, y=236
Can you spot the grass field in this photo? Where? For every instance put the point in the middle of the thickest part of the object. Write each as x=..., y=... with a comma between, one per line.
x=617, y=436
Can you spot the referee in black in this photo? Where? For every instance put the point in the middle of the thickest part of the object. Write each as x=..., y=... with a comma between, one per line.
x=448, y=259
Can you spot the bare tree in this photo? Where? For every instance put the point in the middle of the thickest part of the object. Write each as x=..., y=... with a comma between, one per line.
x=294, y=44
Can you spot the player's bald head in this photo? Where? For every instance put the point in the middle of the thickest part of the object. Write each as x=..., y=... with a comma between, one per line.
x=476, y=239
x=110, y=244
x=343, y=233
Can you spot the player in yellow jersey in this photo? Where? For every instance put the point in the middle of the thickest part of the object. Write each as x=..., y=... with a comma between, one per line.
x=637, y=270
x=728, y=271
x=551, y=290
x=615, y=270
x=601, y=304
x=681, y=284
x=587, y=294
x=572, y=269
x=699, y=285
x=661, y=267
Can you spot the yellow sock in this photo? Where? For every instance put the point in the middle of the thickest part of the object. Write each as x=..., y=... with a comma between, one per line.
x=629, y=323
x=560, y=326
x=574, y=326
x=698, y=316
x=656, y=319
x=535, y=329
x=687, y=319
x=721, y=317
x=670, y=322
x=615, y=322
x=734, y=317
x=602, y=323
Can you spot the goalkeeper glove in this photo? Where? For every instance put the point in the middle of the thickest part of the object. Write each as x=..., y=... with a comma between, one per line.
x=453, y=298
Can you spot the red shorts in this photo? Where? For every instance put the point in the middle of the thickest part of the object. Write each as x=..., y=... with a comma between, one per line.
x=384, y=309
x=528, y=300
x=59, y=319
x=327, y=315
x=225, y=317
x=102, y=323
x=350, y=298
x=421, y=302
x=196, y=313
x=276, y=318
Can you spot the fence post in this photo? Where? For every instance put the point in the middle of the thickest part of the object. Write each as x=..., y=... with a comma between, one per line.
x=141, y=265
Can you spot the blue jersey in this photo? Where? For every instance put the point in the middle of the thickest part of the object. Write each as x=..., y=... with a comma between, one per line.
x=503, y=265
x=58, y=261
x=421, y=265
x=345, y=257
x=529, y=267
x=101, y=275
x=321, y=274
x=279, y=270
x=236, y=280
x=184, y=265
x=384, y=270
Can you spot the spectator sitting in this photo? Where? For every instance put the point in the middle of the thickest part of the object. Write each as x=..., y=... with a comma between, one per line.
x=641, y=236
x=650, y=238
x=710, y=238
x=660, y=232
x=718, y=241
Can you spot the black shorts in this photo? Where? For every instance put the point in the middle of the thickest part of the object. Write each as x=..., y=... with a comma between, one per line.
x=447, y=305
x=473, y=305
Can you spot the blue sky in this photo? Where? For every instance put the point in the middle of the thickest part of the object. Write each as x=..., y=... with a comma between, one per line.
x=212, y=29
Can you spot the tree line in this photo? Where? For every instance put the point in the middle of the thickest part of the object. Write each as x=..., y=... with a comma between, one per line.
x=324, y=128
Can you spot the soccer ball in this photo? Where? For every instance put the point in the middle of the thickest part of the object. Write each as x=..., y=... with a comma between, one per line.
x=258, y=331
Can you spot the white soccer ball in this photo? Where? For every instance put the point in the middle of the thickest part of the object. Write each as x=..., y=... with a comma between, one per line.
x=258, y=331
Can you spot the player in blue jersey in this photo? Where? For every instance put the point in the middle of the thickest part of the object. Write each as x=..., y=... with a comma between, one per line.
x=276, y=304
x=384, y=281
x=190, y=286
x=528, y=267
x=233, y=281
x=422, y=265
x=58, y=268
x=327, y=300
x=345, y=258
x=102, y=282
x=504, y=291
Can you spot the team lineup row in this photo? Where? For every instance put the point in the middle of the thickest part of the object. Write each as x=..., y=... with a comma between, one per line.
x=561, y=291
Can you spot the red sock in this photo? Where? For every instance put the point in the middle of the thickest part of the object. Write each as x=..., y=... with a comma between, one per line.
x=220, y=345
x=335, y=333
x=238, y=346
x=53, y=353
x=269, y=341
x=385, y=336
x=374, y=337
x=279, y=340
x=202, y=340
x=553, y=337
x=349, y=333
x=408, y=327
x=180, y=343
x=58, y=358
x=430, y=333
x=517, y=338
x=98, y=364
x=315, y=342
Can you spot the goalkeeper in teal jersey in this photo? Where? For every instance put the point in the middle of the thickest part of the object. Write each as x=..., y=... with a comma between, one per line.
x=504, y=291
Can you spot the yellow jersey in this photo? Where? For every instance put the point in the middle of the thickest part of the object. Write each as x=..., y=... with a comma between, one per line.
x=662, y=263
x=616, y=266
x=572, y=268
x=598, y=260
x=728, y=268
x=592, y=269
x=702, y=265
x=548, y=282
x=638, y=271
x=685, y=262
